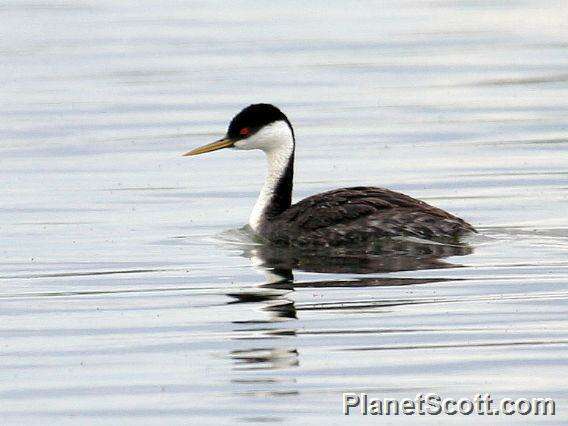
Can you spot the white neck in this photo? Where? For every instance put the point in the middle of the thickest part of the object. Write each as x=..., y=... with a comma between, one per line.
x=277, y=161
x=277, y=142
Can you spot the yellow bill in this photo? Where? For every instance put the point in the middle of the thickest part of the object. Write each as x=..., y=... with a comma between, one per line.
x=214, y=146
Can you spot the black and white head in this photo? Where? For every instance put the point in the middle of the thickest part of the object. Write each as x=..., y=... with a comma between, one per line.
x=258, y=126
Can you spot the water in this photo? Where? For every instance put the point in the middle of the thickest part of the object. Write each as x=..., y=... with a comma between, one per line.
x=128, y=293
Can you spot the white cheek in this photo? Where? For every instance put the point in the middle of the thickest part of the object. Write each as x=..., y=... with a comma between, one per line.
x=252, y=142
x=273, y=136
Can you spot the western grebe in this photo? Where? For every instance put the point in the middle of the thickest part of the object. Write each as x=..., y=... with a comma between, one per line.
x=341, y=217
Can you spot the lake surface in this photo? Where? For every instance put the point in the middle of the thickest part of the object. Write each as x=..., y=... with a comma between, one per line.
x=128, y=293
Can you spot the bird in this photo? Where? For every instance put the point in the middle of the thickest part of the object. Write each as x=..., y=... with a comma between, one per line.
x=345, y=217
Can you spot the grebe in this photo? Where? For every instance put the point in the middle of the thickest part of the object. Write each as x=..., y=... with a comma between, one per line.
x=342, y=217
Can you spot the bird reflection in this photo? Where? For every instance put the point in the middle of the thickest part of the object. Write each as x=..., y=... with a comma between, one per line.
x=257, y=365
x=390, y=255
x=384, y=256
x=265, y=358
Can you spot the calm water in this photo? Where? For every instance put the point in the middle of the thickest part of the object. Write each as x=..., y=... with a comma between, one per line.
x=128, y=293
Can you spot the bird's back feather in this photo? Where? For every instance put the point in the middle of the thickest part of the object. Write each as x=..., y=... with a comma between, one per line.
x=359, y=214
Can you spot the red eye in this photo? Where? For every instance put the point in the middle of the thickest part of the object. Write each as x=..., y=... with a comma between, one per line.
x=245, y=131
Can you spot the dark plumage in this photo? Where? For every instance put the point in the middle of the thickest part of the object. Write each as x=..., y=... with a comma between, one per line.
x=357, y=215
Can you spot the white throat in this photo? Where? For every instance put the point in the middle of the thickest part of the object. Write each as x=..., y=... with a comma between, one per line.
x=277, y=162
x=277, y=142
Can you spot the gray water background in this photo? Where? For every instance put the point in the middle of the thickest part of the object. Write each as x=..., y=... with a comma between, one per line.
x=127, y=296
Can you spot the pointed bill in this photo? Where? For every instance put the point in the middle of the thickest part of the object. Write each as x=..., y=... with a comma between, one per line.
x=214, y=146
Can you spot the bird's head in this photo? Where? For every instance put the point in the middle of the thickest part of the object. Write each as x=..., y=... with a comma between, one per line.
x=258, y=126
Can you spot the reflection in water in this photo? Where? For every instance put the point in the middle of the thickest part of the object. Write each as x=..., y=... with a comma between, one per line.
x=274, y=298
x=265, y=358
x=388, y=255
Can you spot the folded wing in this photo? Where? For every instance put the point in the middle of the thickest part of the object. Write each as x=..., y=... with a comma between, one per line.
x=359, y=214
